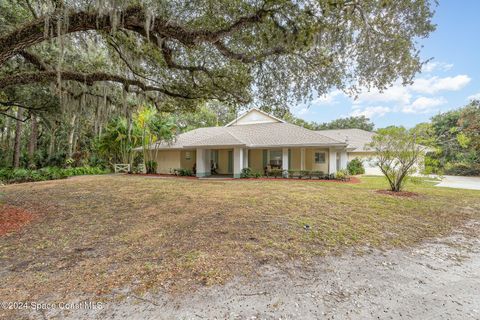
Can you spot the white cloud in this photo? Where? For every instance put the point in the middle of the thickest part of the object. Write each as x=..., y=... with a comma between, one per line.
x=475, y=96
x=397, y=94
x=436, y=65
x=370, y=112
x=423, y=105
x=435, y=84
x=329, y=98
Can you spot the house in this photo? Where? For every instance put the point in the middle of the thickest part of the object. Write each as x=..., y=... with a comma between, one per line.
x=260, y=141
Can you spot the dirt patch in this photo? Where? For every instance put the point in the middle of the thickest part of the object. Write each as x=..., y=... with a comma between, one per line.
x=439, y=279
x=12, y=219
x=406, y=194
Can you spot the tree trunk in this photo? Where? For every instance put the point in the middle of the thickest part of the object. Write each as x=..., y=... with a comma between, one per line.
x=32, y=145
x=17, y=141
x=71, y=135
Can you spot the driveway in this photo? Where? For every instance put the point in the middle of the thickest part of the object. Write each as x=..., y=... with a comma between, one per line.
x=460, y=182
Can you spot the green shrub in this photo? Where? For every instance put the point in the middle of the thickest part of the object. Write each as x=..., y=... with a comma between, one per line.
x=184, y=172
x=318, y=174
x=463, y=169
x=276, y=173
x=151, y=166
x=47, y=173
x=341, y=174
x=355, y=167
x=246, y=173
x=292, y=173
x=257, y=174
x=304, y=173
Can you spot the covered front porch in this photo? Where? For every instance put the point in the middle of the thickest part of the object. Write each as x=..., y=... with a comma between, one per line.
x=231, y=161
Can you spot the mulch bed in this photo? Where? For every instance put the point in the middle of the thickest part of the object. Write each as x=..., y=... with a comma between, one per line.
x=406, y=194
x=12, y=219
x=165, y=175
x=352, y=180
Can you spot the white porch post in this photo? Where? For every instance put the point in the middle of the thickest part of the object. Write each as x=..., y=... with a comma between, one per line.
x=302, y=159
x=203, y=166
x=237, y=162
x=343, y=159
x=245, y=158
x=332, y=161
x=285, y=161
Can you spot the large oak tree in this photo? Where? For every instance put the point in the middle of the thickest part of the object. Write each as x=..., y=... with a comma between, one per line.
x=268, y=52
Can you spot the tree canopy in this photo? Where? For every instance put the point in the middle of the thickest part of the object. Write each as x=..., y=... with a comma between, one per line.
x=359, y=122
x=397, y=154
x=68, y=68
x=271, y=52
x=455, y=138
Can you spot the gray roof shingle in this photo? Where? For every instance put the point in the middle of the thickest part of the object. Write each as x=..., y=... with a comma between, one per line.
x=356, y=138
x=253, y=136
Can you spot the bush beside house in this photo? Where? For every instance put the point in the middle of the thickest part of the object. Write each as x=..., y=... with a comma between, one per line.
x=8, y=175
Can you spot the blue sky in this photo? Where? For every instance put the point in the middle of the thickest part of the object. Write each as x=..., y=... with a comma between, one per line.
x=447, y=82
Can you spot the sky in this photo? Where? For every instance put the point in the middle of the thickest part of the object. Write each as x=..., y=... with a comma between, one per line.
x=447, y=82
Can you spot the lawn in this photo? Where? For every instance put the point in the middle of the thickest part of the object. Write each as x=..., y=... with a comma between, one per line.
x=93, y=235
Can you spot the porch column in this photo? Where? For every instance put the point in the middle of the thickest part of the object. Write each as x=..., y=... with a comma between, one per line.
x=285, y=161
x=302, y=158
x=343, y=159
x=332, y=161
x=203, y=164
x=245, y=158
x=237, y=162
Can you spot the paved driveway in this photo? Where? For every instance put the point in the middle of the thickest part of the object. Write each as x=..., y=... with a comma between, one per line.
x=460, y=182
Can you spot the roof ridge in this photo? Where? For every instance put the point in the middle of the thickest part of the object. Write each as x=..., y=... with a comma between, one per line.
x=234, y=136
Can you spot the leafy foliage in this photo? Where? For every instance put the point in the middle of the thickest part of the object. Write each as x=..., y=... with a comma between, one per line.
x=184, y=172
x=151, y=166
x=397, y=152
x=48, y=173
x=360, y=122
x=341, y=174
x=454, y=138
x=355, y=166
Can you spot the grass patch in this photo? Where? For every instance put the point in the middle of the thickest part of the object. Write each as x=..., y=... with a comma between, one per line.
x=95, y=234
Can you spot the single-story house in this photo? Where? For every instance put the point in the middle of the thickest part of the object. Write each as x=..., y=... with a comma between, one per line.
x=260, y=141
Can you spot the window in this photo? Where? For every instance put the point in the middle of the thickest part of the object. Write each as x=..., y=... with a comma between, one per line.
x=275, y=158
x=188, y=156
x=319, y=157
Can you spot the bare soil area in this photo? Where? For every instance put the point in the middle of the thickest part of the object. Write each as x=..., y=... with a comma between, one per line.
x=436, y=280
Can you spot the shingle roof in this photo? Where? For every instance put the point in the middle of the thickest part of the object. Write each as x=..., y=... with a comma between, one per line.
x=356, y=138
x=253, y=135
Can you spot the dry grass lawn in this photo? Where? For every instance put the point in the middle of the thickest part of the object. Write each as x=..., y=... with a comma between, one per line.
x=94, y=234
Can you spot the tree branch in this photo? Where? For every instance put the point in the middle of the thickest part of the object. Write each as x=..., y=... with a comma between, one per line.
x=88, y=78
x=132, y=18
x=227, y=52
x=35, y=60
